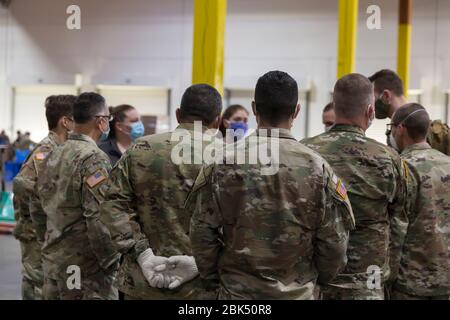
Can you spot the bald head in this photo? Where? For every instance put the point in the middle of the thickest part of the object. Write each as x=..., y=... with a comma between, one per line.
x=352, y=95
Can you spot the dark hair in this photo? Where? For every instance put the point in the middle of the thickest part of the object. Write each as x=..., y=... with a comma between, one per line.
x=387, y=80
x=87, y=106
x=119, y=115
x=328, y=107
x=352, y=94
x=276, y=97
x=417, y=124
x=201, y=102
x=58, y=106
x=229, y=112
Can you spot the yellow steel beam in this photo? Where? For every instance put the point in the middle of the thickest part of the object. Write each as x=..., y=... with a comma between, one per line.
x=348, y=25
x=404, y=42
x=209, y=38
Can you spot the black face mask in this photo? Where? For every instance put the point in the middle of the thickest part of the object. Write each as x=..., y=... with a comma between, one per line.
x=381, y=109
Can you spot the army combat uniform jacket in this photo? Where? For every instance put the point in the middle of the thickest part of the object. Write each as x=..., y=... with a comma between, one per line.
x=270, y=234
x=144, y=208
x=24, y=188
x=70, y=190
x=374, y=176
x=425, y=259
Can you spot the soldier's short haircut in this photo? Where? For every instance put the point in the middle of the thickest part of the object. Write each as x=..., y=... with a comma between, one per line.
x=58, y=106
x=276, y=97
x=387, y=80
x=201, y=102
x=87, y=106
x=352, y=94
x=416, y=124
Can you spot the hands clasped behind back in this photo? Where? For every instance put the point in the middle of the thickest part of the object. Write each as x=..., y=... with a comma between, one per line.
x=162, y=272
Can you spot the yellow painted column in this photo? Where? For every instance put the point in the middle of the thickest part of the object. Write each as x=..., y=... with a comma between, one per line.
x=209, y=38
x=348, y=26
x=404, y=42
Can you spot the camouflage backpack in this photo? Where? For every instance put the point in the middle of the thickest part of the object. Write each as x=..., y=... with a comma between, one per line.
x=439, y=137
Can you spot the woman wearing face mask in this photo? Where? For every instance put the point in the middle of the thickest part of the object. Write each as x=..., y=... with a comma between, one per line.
x=234, y=119
x=125, y=127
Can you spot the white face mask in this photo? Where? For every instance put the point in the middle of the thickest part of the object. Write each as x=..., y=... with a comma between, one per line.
x=328, y=128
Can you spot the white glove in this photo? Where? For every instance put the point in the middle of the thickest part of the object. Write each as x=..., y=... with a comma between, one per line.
x=148, y=261
x=178, y=270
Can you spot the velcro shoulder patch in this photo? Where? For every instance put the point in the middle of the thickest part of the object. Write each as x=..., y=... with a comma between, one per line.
x=95, y=179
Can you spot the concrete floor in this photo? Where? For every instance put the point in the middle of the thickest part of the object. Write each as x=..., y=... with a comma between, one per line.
x=10, y=265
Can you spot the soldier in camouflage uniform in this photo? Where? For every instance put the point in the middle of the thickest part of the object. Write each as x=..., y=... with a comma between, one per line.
x=270, y=234
x=79, y=260
x=374, y=176
x=58, y=111
x=389, y=94
x=144, y=206
x=424, y=270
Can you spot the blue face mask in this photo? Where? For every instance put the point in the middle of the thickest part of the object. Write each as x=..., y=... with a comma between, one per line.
x=137, y=130
x=105, y=135
x=241, y=126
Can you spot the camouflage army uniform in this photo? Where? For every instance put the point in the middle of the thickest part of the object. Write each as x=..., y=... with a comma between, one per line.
x=70, y=190
x=24, y=186
x=270, y=236
x=374, y=176
x=425, y=266
x=439, y=137
x=144, y=209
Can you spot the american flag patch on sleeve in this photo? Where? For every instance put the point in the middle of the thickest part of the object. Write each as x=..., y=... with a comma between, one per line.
x=40, y=156
x=95, y=179
x=341, y=190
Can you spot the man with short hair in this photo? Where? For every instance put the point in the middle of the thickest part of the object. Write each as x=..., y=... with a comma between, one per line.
x=424, y=269
x=390, y=96
x=270, y=234
x=328, y=116
x=144, y=206
x=58, y=111
x=78, y=257
x=373, y=174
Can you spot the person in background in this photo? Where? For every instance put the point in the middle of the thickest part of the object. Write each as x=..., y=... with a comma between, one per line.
x=4, y=139
x=234, y=118
x=19, y=137
x=25, y=142
x=390, y=96
x=58, y=111
x=328, y=116
x=126, y=127
x=424, y=269
x=70, y=189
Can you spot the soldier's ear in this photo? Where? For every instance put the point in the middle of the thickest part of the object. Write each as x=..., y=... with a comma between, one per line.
x=387, y=95
x=297, y=110
x=216, y=122
x=178, y=114
x=254, y=108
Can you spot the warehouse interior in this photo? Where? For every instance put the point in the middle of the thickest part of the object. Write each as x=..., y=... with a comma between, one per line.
x=143, y=53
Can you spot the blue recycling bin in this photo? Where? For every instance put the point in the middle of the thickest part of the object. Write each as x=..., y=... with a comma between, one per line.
x=10, y=170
